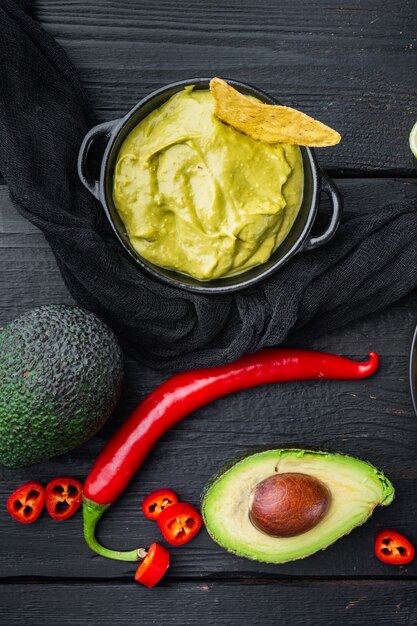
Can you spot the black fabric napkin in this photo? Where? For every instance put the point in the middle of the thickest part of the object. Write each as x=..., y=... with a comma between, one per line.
x=44, y=115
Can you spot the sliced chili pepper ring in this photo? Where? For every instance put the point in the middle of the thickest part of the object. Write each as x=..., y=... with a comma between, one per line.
x=25, y=504
x=157, y=501
x=153, y=566
x=392, y=547
x=179, y=523
x=179, y=396
x=63, y=497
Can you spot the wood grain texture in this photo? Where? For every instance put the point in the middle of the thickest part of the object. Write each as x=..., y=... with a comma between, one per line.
x=351, y=65
x=187, y=604
x=372, y=419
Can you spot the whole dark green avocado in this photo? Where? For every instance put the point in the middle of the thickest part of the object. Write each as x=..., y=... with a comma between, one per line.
x=61, y=370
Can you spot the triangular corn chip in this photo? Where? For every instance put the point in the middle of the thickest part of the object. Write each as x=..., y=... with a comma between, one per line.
x=267, y=122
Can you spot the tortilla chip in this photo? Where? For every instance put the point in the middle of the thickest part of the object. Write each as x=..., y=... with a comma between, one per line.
x=267, y=122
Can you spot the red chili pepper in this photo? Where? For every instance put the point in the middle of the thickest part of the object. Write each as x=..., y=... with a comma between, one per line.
x=179, y=523
x=157, y=501
x=64, y=496
x=153, y=566
x=392, y=547
x=181, y=395
x=27, y=501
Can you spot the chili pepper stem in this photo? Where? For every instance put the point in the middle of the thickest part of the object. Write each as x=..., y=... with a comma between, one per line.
x=92, y=513
x=182, y=394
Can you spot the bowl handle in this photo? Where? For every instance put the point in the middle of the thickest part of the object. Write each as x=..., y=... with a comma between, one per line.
x=97, y=132
x=329, y=187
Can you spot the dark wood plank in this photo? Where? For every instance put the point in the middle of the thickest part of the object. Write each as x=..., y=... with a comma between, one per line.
x=351, y=66
x=31, y=278
x=295, y=604
x=29, y=275
x=372, y=419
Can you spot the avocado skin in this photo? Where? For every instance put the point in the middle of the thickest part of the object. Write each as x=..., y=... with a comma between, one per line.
x=293, y=449
x=61, y=371
x=297, y=451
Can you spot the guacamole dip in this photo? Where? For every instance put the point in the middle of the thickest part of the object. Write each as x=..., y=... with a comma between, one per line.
x=201, y=198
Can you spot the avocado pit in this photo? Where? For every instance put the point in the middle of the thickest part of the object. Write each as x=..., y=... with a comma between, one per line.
x=288, y=504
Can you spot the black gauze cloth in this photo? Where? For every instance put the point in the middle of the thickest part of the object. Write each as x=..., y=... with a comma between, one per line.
x=44, y=115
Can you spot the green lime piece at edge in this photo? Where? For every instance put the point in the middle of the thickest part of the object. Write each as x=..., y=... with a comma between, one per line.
x=412, y=140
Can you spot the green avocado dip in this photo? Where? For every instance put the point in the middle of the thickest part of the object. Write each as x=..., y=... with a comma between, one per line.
x=201, y=198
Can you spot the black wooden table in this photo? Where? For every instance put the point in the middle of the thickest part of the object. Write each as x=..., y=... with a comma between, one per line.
x=352, y=64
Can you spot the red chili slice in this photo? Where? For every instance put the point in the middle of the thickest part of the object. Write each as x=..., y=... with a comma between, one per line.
x=27, y=501
x=157, y=501
x=179, y=396
x=392, y=547
x=64, y=496
x=153, y=566
x=179, y=523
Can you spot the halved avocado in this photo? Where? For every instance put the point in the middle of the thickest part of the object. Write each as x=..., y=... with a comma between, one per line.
x=353, y=487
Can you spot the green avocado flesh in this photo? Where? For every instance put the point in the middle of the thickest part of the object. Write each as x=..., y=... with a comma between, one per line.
x=61, y=370
x=356, y=488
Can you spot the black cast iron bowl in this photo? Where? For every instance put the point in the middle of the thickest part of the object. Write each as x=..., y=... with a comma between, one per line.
x=99, y=151
x=413, y=370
